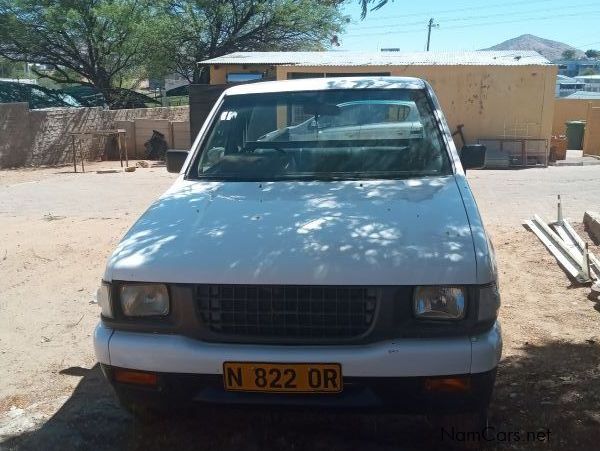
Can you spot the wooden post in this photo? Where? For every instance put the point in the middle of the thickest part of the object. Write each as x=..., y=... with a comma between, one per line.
x=121, y=132
x=120, y=150
x=126, y=152
x=135, y=150
x=74, y=154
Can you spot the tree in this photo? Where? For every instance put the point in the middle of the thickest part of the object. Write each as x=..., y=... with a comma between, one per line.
x=376, y=5
x=94, y=42
x=9, y=69
x=592, y=53
x=188, y=31
x=568, y=54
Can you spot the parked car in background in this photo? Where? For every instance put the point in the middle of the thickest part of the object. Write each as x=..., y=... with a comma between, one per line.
x=36, y=96
x=346, y=267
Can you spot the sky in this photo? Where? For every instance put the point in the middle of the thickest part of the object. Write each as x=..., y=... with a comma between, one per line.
x=470, y=24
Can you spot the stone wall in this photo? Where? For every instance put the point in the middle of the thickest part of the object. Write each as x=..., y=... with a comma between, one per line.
x=42, y=137
x=50, y=139
x=14, y=139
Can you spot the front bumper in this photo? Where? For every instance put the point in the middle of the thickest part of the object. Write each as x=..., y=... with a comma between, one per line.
x=390, y=373
x=390, y=394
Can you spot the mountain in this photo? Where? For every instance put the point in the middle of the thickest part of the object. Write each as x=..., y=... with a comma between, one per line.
x=552, y=50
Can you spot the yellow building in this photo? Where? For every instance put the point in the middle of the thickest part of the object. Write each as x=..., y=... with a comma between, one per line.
x=495, y=94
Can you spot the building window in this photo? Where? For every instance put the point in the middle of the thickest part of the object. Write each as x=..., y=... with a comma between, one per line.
x=243, y=77
x=298, y=75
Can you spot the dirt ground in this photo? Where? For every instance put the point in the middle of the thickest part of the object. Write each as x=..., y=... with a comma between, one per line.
x=57, y=229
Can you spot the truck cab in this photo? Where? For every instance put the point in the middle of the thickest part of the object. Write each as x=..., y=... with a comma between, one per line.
x=307, y=256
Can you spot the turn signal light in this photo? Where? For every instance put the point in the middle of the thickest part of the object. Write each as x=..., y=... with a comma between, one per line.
x=135, y=377
x=448, y=384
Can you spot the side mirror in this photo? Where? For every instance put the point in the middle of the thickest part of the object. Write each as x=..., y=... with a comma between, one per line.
x=472, y=156
x=175, y=159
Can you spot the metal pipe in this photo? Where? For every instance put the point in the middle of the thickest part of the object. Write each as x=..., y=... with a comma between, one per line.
x=559, y=219
x=586, y=261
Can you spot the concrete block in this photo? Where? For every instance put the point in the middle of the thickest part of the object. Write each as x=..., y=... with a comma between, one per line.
x=591, y=220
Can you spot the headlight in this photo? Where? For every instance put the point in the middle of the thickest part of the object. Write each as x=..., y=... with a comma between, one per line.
x=444, y=303
x=103, y=298
x=144, y=299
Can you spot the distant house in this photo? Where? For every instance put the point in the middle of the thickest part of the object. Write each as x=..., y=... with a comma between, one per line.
x=567, y=85
x=173, y=81
x=573, y=68
x=591, y=82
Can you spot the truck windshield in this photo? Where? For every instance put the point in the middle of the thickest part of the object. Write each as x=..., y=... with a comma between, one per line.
x=323, y=135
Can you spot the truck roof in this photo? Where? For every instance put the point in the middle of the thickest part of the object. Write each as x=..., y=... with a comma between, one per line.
x=321, y=84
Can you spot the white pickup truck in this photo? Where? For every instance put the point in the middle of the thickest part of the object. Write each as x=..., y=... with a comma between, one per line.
x=318, y=270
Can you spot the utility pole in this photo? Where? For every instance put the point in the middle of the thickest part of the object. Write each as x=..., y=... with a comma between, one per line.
x=430, y=25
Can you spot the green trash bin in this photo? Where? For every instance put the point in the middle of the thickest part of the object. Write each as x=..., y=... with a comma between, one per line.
x=575, y=131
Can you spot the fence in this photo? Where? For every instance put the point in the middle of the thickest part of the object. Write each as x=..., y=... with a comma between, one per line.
x=42, y=137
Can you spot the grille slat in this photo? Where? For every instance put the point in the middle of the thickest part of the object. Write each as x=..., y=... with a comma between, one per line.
x=287, y=311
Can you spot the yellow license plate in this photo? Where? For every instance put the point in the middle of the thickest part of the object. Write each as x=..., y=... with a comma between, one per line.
x=283, y=377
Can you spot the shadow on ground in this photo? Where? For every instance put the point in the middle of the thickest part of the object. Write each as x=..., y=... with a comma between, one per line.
x=552, y=387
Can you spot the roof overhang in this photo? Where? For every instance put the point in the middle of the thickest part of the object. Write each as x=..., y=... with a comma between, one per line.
x=380, y=59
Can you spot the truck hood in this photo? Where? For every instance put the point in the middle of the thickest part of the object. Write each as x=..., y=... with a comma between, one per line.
x=389, y=232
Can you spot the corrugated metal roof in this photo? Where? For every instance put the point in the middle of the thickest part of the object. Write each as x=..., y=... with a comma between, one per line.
x=564, y=79
x=342, y=58
x=584, y=95
x=591, y=77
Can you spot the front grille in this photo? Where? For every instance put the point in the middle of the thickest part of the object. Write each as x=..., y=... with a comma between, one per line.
x=286, y=311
